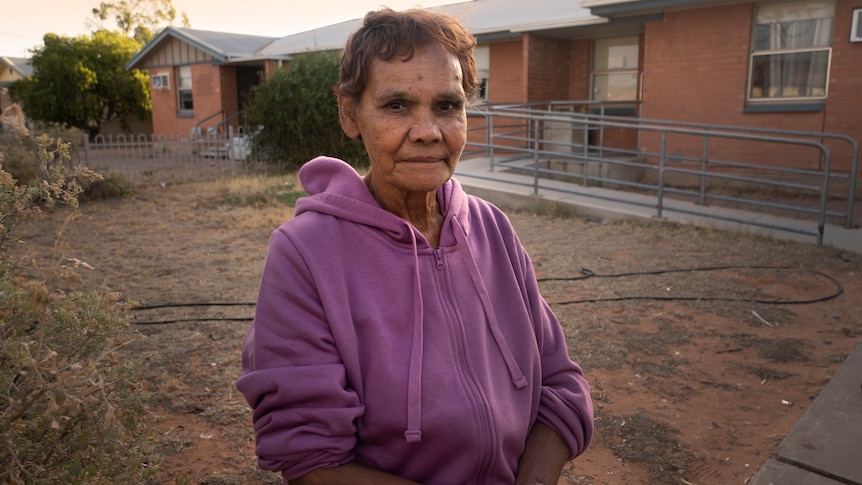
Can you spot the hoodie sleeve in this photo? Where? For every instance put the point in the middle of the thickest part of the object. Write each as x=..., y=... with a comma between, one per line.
x=564, y=404
x=292, y=374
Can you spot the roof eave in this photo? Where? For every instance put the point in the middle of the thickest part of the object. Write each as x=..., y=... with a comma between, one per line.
x=611, y=8
x=588, y=21
x=172, y=32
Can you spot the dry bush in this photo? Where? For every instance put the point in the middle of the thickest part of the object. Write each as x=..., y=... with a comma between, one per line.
x=70, y=410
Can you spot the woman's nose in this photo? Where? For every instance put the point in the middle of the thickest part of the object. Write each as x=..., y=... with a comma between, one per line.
x=425, y=129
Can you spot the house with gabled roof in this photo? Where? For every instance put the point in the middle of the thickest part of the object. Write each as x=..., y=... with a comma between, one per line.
x=199, y=79
x=777, y=64
x=12, y=69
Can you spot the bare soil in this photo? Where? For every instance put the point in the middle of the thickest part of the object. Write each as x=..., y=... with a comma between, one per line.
x=698, y=368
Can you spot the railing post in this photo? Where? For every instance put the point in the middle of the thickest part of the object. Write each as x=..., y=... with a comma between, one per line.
x=86, y=143
x=586, y=152
x=824, y=193
x=703, y=169
x=535, y=131
x=853, y=171
x=490, y=137
x=660, y=202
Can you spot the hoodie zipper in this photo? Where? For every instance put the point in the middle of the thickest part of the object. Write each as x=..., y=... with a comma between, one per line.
x=479, y=401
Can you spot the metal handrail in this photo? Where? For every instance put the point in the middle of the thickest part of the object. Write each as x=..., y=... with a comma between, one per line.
x=521, y=139
x=854, y=145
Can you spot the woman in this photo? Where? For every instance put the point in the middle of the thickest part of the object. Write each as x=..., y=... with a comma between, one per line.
x=400, y=336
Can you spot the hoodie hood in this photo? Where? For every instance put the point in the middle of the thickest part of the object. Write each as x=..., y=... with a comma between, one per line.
x=335, y=188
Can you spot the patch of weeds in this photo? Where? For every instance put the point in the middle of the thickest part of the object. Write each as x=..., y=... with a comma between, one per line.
x=290, y=198
x=656, y=343
x=596, y=354
x=775, y=350
x=112, y=186
x=767, y=374
x=265, y=197
x=655, y=369
x=638, y=438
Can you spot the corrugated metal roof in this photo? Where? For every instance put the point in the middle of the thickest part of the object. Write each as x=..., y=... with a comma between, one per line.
x=322, y=39
x=220, y=45
x=227, y=45
x=480, y=17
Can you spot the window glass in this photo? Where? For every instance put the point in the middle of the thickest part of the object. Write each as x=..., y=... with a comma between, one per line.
x=184, y=89
x=615, y=69
x=791, y=50
x=482, y=55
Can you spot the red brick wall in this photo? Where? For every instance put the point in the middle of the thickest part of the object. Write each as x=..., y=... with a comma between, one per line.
x=506, y=79
x=844, y=102
x=579, y=66
x=214, y=91
x=547, y=69
x=696, y=65
x=165, y=105
x=229, y=94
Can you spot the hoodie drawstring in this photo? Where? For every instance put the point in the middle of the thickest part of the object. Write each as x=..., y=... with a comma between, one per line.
x=515, y=372
x=413, y=434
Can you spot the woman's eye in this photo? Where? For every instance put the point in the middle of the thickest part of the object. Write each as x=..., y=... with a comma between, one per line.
x=395, y=105
x=447, y=106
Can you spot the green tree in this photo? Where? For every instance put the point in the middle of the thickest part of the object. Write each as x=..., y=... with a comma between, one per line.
x=297, y=113
x=82, y=81
x=139, y=19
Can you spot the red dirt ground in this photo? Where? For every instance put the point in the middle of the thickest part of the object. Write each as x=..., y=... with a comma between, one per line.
x=696, y=375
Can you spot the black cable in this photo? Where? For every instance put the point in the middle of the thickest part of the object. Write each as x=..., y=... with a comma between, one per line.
x=586, y=273
x=181, y=305
x=179, y=320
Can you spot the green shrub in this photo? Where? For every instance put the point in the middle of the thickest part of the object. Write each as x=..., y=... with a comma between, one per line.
x=112, y=186
x=298, y=113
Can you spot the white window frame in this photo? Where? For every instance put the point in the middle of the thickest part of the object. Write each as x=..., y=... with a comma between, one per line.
x=755, y=53
x=184, y=89
x=856, y=27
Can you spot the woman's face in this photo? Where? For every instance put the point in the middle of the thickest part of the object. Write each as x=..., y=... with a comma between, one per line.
x=412, y=120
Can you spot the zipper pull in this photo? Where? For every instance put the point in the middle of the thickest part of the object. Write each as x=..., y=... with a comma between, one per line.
x=439, y=257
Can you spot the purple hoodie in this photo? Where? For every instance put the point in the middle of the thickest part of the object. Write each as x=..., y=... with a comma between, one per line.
x=369, y=345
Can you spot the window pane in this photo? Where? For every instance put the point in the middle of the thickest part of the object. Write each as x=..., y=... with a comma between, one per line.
x=615, y=87
x=185, y=101
x=793, y=35
x=617, y=53
x=801, y=74
x=185, y=77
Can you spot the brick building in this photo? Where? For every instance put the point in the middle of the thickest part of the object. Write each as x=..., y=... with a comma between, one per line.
x=792, y=65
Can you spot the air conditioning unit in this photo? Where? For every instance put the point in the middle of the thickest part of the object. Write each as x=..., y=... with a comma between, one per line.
x=161, y=81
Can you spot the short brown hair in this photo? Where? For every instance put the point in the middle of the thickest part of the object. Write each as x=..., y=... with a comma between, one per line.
x=386, y=34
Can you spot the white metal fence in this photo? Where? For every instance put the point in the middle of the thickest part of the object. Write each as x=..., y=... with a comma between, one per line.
x=160, y=159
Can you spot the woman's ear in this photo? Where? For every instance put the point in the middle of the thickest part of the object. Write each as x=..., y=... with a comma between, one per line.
x=346, y=117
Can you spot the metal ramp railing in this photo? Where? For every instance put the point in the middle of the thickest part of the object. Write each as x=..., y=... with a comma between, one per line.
x=591, y=148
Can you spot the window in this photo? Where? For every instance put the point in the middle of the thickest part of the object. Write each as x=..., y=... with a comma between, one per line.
x=615, y=69
x=185, y=103
x=482, y=56
x=791, y=52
